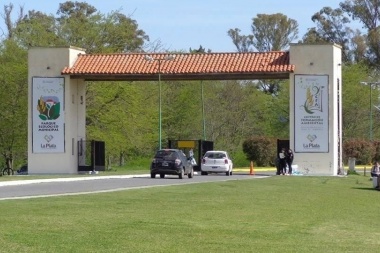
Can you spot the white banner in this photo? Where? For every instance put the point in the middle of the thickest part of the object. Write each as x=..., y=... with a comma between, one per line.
x=311, y=114
x=48, y=115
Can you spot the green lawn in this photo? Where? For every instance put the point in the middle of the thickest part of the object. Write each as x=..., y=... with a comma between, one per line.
x=276, y=214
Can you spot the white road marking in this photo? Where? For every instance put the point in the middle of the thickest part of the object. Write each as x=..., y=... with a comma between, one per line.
x=35, y=181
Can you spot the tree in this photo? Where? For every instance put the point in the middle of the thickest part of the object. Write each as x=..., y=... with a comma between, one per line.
x=260, y=149
x=200, y=50
x=83, y=26
x=224, y=108
x=273, y=32
x=182, y=110
x=123, y=115
x=368, y=13
x=78, y=24
x=356, y=109
x=7, y=16
x=242, y=43
x=359, y=47
x=312, y=36
x=331, y=27
x=269, y=33
x=37, y=29
x=13, y=106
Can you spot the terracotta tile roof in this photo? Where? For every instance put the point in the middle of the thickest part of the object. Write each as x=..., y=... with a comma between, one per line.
x=208, y=66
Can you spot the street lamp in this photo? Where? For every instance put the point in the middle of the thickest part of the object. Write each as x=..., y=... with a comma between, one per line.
x=159, y=61
x=370, y=84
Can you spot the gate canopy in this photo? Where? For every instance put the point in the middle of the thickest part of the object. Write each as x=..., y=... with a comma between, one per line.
x=181, y=66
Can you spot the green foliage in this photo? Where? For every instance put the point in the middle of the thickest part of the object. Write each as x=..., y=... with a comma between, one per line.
x=271, y=32
x=364, y=151
x=80, y=24
x=13, y=106
x=275, y=110
x=132, y=165
x=182, y=110
x=224, y=107
x=261, y=150
x=355, y=107
x=363, y=11
x=115, y=117
x=240, y=159
x=331, y=27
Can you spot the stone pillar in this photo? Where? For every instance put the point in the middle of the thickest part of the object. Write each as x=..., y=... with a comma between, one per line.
x=316, y=108
x=56, y=111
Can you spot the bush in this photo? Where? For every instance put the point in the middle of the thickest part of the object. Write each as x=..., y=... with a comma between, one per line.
x=261, y=150
x=240, y=159
x=364, y=151
x=376, y=144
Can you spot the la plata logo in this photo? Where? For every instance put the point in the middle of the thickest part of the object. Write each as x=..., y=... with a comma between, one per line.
x=48, y=146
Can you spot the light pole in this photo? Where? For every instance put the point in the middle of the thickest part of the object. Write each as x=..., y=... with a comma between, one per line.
x=159, y=61
x=370, y=84
x=203, y=112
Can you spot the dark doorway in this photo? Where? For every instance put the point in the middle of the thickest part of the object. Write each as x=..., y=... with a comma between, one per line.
x=91, y=155
x=282, y=144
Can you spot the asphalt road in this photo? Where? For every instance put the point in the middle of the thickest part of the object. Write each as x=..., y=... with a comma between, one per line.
x=22, y=189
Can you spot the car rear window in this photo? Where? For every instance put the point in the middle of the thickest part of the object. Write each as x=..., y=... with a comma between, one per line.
x=168, y=154
x=215, y=155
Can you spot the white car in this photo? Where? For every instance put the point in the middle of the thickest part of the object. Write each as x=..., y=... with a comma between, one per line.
x=216, y=162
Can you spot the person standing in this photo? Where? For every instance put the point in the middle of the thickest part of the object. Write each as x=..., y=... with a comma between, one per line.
x=289, y=160
x=375, y=172
x=282, y=157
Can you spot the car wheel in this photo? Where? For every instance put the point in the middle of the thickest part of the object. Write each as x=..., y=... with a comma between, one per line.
x=227, y=173
x=203, y=173
x=162, y=175
x=181, y=174
x=152, y=175
x=231, y=173
x=191, y=174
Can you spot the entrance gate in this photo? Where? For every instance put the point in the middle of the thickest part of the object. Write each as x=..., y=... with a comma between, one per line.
x=316, y=139
x=91, y=155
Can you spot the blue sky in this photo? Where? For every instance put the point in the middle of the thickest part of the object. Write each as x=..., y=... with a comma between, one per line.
x=184, y=24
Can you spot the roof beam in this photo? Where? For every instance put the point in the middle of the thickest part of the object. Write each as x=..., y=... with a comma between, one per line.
x=176, y=77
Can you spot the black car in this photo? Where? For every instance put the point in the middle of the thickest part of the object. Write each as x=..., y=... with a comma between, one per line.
x=171, y=162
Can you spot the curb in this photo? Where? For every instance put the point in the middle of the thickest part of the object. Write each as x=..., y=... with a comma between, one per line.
x=69, y=179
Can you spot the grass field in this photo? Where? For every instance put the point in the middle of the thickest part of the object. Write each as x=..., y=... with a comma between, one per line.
x=275, y=214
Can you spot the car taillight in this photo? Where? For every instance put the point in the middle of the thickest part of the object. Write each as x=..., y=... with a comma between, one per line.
x=177, y=162
x=225, y=161
x=203, y=161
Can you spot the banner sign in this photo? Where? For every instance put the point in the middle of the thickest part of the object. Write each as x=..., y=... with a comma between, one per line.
x=311, y=114
x=48, y=115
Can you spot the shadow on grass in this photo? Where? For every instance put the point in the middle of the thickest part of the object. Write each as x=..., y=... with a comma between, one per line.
x=365, y=188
